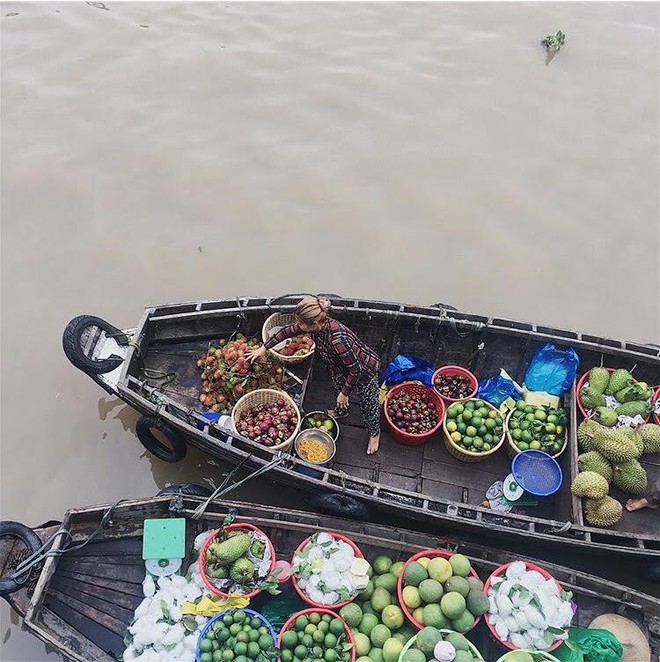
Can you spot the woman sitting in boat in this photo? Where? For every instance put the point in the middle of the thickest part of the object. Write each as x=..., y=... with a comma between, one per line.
x=353, y=366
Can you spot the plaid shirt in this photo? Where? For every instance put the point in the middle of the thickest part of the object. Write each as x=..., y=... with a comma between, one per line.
x=347, y=357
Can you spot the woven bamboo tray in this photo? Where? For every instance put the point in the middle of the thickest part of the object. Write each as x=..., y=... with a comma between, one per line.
x=282, y=319
x=260, y=397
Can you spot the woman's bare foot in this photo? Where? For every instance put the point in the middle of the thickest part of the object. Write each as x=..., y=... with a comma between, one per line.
x=638, y=504
x=373, y=444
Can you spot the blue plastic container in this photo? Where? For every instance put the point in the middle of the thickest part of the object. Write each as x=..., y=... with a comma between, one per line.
x=536, y=472
x=216, y=618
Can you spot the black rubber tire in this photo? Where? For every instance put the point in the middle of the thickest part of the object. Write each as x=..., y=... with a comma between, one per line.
x=74, y=352
x=186, y=490
x=31, y=540
x=143, y=430
x=340, y=505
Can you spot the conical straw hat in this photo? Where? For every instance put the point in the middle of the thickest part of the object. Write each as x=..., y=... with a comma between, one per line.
x=635, y=646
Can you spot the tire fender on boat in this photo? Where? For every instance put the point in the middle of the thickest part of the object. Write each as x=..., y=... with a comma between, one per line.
x=187, y=489
x=173, y=453
x=31, y=540
x=340, y=505
x=71, y=343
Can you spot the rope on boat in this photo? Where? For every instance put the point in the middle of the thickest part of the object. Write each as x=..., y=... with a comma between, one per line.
x=222, y=490
x=45, y=552
x=562, y=529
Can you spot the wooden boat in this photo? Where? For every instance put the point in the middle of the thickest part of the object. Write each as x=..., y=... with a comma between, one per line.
x=82, y=602
x=425, y=484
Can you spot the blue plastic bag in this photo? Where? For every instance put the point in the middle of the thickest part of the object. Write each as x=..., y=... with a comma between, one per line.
x=497, y=389
x=408, y=368
x=552, y=370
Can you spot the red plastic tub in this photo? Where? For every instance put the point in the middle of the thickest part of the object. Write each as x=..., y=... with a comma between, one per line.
x=452, y=371
x=303, y=596
x=580, y=384
x=321, y=610
x=407, y=438
x=498, y=571
x=429, y=553
x=656, y=397
x=202, y=559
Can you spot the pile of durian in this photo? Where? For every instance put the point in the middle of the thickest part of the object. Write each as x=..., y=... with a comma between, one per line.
x=611, y=456
x=608, y=397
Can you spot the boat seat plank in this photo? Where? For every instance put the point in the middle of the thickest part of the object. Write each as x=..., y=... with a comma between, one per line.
x=116, y=548
x=73, y=590
x=107, y=639
x=358, y=472
x=129, y=573
x=410, y=483
x=109, y=622
x=130, y=588
x=107, y=593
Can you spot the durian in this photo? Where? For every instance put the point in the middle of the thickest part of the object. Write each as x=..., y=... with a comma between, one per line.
x=634, y=437
x=649, y=433
x=605, y=416
x=589, y=484
x=591, y=398
x=639, y=391
x=618, y=379
x=630, y=477
x=585, y=435
x=634, y=408
x=614, y=445
x=599, y=378
x=594, y=461
x=602, y=512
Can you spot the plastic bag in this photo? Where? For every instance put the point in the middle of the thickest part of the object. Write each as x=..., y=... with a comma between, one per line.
x=408, y=368
x=552, y=370
x=589, y=645
x=497, y=389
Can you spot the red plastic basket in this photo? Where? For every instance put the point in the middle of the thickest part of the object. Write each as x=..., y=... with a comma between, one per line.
x=452, y=371
x=498, y=571
x=429, y=553
x=321, y=610
x=580, y=384
x=407, y=438
x=202, y=559
x=656, y=397
x=294, y=580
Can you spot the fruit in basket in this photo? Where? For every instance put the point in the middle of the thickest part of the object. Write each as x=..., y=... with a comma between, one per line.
x=538, y=428
x=602, y=512
x=591, y=398
x=268, y=423
x=230, y=550
x=241, y=571
x=634, y=408
x=586, y=435
x=431, y=645
x=237, y=635
x=315, y=636
x=619, y=379
x=453, y=386
x=413, y=412
x=605, y=416
x=599, y=378
x=474, y=425
x=589, y=484
x=649, y=433
x=299, y=345
x=321, y=422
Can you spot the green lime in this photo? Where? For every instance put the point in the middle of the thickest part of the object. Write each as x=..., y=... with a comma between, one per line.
x=239, y=615
x=307, y=640
x=289, y=639
x=330, y=640
x=451, y=426
x=286, y=655
x=253, y=650
x=330, y=655
x=235, y=628
x=240, y=648
x=315, y=618
x=318, y=636
x=206, y=657
x=300, y=652
x=254, y=635
x=242, y=637
x=471, y=431
x=301, y=622
x=310, y=628
x=224, y=655
x=337, y=627
x=206, y=645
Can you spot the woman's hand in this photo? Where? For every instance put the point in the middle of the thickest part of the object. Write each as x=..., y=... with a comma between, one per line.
x=254, y=354
x=342, y=401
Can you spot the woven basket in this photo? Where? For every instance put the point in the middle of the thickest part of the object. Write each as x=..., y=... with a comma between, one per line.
x=408, y=438
x=465, y=455
x=512, y=450
x=282, y=319
x=260, y=397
